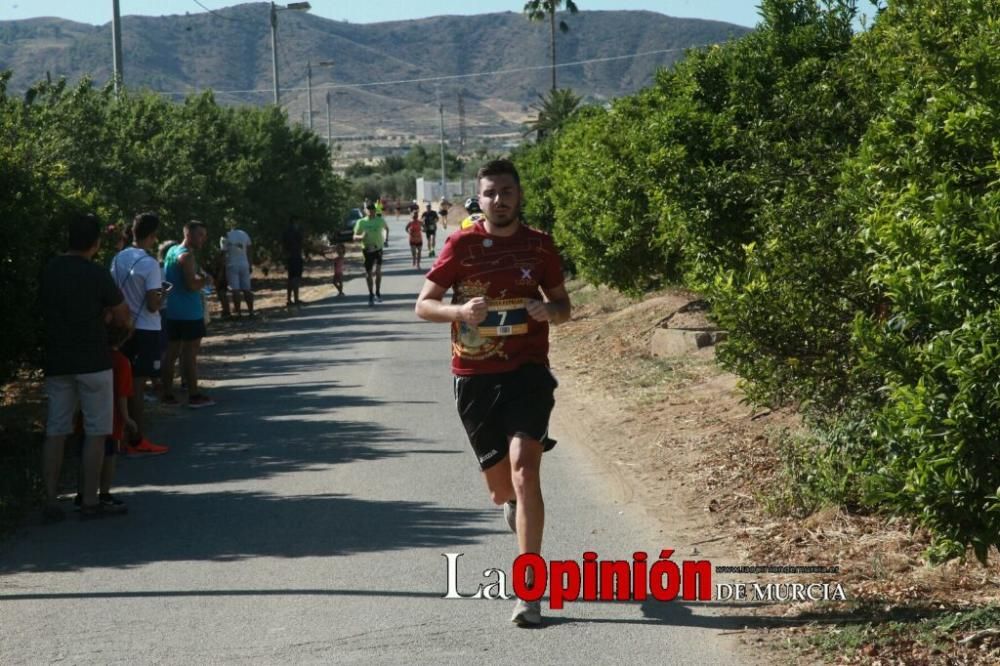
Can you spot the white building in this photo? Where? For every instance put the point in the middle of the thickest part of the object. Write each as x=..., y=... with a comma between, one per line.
x=456, y=191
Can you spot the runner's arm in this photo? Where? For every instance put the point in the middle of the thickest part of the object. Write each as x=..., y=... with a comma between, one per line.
x=556, y=307
x=430, y=307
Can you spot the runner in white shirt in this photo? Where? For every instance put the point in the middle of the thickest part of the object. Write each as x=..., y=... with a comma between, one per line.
x=236, y=246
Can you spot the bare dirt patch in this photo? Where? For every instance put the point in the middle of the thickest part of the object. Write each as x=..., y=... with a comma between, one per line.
x=707, y=464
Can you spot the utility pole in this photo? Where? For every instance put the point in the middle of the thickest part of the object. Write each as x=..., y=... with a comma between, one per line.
x=274, y=42
x=309, y=92
x=441, y=113
x=274, y=53
x=116, y=44
x=461, y=123
x=461, y=137
x=329, y=131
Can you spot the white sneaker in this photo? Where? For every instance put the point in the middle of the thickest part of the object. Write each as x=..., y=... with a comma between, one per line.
x=527, y=613
x=510, y=513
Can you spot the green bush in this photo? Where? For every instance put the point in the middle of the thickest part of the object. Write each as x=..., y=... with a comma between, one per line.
x=927, y=188
x=82, y=148
x=836, y=198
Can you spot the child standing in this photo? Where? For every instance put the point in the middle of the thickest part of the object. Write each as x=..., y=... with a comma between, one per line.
x=416, y=231
x=121, y=370
x=338, y=269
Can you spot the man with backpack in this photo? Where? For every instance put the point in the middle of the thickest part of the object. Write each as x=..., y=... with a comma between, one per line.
x=137, y=273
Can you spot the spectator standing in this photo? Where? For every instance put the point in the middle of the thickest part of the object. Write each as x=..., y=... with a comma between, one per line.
x=338, y=269
x=236, y=246
x=137, y=274
x=185, y=321
x=78, y=298
x=292, y=242
x=121, y=373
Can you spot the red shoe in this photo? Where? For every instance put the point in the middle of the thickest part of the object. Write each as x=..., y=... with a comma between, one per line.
x=144, y=447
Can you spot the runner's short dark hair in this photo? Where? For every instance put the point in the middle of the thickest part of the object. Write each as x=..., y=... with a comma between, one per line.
x=499, y=168
x=84, y=230
x=145, y=225
x=192, y=225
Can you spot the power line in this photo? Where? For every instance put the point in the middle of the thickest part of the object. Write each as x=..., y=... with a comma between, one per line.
x=451, y=77
x=221, y=16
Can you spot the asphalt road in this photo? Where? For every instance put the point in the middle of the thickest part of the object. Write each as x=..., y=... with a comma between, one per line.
x=303, y=520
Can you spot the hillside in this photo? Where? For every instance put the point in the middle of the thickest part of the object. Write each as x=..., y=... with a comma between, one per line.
x=230, y=50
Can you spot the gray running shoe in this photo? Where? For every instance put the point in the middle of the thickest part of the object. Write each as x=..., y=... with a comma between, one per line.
x=510, y=513
x=527, y=613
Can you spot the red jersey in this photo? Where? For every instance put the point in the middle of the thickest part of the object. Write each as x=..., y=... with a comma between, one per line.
x=122, y=372
x=506, y=271
x=416, y=230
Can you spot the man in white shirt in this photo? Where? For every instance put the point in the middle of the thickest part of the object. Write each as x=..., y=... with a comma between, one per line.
x=137, y=274
x=236, y=246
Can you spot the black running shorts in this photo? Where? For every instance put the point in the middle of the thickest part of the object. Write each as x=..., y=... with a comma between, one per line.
x=143, y=353
x=372, y=257
x=494, y=408
x=185, y=329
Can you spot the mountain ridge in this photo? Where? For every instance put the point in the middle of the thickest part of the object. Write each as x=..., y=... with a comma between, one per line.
x=229, y=51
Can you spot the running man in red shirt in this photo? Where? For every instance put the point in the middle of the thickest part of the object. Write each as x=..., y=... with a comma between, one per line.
x=416, y=231
x=508, y=286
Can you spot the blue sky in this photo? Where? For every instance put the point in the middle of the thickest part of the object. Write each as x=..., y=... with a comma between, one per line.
x=742, y=12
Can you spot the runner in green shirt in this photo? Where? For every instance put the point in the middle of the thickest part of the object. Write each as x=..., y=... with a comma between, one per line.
x=373, y=233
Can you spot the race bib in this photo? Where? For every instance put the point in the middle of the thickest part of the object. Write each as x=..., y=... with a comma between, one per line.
x=505, y=317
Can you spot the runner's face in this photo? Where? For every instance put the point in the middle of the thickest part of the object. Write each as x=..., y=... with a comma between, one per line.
x=500, y=199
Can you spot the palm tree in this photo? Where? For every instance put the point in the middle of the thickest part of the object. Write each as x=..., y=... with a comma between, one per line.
x=539, y=10
x=555, y=109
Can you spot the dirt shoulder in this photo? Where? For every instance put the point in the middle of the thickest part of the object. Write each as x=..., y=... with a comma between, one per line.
x=679, y=435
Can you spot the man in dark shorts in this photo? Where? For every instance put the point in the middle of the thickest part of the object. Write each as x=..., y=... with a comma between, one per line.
x=508, y=286
x=291, y=240
x=373, y=233
x=137, y=274
x=185, y=315
x=79, y=299
x=430, y=222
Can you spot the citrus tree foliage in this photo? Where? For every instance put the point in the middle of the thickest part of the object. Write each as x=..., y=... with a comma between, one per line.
x=835, y=196
x=926, y=186
x=81, y=148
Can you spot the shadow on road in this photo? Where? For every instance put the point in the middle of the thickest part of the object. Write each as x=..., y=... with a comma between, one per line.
x=674, y=613
x=238, y=525
x=274, y=417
